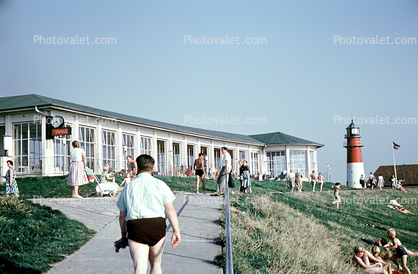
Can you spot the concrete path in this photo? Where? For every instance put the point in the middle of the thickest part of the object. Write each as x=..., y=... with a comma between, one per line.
x=198, y=215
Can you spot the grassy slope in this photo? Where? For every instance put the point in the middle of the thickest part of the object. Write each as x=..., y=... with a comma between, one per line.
x=346, y=225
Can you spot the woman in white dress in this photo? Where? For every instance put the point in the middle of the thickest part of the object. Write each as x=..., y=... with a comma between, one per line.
x=77, y=176
x=380, y=181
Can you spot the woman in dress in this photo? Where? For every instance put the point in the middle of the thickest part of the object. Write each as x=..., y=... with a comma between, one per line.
x=11, y=184
x=380, y=181
x=77, y=176
x=246, y=180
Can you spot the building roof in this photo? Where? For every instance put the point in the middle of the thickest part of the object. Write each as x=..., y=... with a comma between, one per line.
x=278, y=138
x=408, y=173
x=31, y=100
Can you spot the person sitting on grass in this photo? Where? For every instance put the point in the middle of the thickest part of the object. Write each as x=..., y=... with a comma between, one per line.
x=336, y=188
x=401, y=251
x=400, y=187
x=380, y=256
x=371, y=264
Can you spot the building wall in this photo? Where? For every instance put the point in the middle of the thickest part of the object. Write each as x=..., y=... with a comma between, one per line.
x=99, y=124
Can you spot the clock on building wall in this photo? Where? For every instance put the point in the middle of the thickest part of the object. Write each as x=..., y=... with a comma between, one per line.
x=57, y=121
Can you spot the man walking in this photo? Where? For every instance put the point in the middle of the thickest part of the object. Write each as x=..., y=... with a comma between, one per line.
x=199, y=167
x=223, y=175
x=144, y=204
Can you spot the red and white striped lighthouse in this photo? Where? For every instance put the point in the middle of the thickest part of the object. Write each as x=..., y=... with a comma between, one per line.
x=355, y=166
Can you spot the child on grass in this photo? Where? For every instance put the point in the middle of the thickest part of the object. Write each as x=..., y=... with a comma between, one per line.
x=336, y=188
x=380, y=256
x=401, y=251
x=127, y=179
x=371, y=264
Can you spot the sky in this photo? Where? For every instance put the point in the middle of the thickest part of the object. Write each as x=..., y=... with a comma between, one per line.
x=312, y=66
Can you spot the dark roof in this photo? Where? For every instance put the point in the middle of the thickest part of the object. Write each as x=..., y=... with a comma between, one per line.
x=408, y=173
x=278, y=138
x=32, y=100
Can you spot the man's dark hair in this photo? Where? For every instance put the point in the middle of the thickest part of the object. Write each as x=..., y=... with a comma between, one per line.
x=145, y=162
x=200, y=154
x=224, y=148
x=10, y=161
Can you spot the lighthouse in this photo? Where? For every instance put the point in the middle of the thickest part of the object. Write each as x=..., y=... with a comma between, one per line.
x=355, y=167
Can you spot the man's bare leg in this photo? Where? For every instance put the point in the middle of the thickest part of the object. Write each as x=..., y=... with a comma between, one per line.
x=203, y=183
x=139, y=255
x=197, y=184
x=155, y=256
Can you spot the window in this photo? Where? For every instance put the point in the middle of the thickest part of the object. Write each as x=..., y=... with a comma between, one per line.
x=217, y=152
x=190, y=155
x=109, y=149
x=87, y=141
x=312, y=160
x=146, y=145
x=176, y=156
x=28, y=147
x=254, y=163
x=128, y=148
x=276, y=162
x=297, y=161
x=242, y=155
x=161, y=156
x=62, y=148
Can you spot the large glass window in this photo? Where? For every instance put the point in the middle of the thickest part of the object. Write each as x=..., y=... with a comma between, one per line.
x=87, y=141
x=276, y=162
x=297, y=161
x=161, y=157
x=145, y=145
x=204, y=151
x=28, y=147
x=254, y=163
x=128, y=148
x=62, y=148
x=217, y=153
x=109, y=149
x=176, y=156
x=312, y=160
x=190, y=155
x=242, y=155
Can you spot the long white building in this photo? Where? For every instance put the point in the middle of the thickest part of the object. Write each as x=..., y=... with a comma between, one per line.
x=26, y=123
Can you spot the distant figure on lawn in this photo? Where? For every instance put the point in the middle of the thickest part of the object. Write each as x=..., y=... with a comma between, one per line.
x=199, y=167
x=11, y=185
x=371, y=264
x=393, y=181
x=77, y=176
x=321, y=181
x=362, y=182
x=223, y=174
x=291, y=178
x=298, y=180
x=132, y=166
x=337, y=198
x=127, y=179
x=380, y=181
x=312, y=180
x=245, y=174
x=372, y=180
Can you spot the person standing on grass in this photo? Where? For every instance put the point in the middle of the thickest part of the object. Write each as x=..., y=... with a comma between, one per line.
x=298, y=180
x=199, y=167
x=337, y=198
x=223, y=175
x=77, y=176
x=362, y=182
x=372, y=180
x=321, y=181
x=246, y=180
x=312, y=180
x=11, y=185
x=144, y=204
x=393, y=181
x=401, y=251
x=291, y=178
x=380, y=181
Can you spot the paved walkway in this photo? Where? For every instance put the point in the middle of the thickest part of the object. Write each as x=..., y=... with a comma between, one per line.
x=198, y=215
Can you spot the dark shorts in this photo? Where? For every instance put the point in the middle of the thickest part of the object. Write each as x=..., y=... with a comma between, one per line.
x=146, y=231
x=400, y=251
x=199, y=172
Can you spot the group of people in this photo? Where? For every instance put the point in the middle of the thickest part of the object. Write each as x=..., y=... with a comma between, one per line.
x=375, y=262
x=295, y=180
x=379, y=182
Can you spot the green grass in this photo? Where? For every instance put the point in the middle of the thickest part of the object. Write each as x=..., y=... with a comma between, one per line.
x=343, y=227
x=32, y=237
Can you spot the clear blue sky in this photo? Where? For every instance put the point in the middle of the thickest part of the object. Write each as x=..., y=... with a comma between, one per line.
x=300, y=81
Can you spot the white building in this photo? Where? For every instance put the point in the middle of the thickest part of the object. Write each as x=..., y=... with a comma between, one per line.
x=109, y=137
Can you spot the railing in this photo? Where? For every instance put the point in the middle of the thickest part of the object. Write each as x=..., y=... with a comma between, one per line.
x=229, y=266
